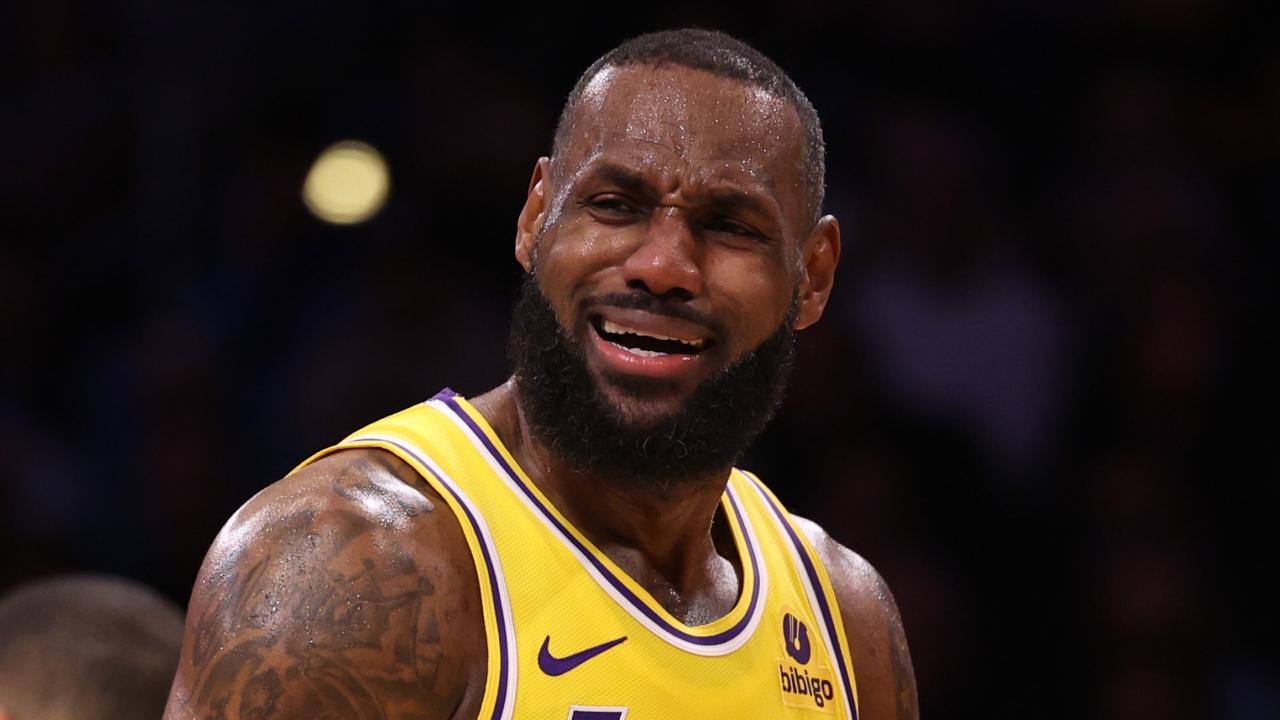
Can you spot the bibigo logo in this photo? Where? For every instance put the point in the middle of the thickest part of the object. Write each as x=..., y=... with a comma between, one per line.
x=803, y=685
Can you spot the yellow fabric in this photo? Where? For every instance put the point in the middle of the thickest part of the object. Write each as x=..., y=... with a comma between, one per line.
x=543, y=584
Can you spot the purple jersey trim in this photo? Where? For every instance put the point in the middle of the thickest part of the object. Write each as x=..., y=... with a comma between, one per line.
x=447, y=396
x=496, y=591
x=818, y=592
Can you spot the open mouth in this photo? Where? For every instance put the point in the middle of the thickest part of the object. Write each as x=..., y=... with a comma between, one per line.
x=646, y=344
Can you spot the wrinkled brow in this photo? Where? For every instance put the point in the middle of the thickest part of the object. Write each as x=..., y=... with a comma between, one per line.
x=723, y=197
x=625, y=178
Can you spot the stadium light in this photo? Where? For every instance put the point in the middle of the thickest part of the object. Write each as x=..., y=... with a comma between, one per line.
x=347, y=184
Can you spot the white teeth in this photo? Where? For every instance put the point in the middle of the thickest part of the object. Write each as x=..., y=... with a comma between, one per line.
x=616, y=329
x=639, y=351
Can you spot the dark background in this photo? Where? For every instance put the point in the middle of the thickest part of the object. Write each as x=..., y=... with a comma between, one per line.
x=1039, y=402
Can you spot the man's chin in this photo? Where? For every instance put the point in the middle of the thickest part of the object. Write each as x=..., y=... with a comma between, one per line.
x=638, y=387
x=641, y=428
x=642, y=403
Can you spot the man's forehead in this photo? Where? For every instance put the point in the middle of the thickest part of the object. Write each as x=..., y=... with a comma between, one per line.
x=693, y=113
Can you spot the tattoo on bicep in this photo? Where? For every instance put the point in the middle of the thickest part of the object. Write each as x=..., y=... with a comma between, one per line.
x=308, y=619
x=402, y=497
x=260, y=695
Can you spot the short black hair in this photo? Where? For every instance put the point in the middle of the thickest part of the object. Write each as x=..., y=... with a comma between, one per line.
x=87, y=647
x=722, y=55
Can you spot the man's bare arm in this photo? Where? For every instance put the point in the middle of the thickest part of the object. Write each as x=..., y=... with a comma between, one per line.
x=343, y=591
x=873, y=626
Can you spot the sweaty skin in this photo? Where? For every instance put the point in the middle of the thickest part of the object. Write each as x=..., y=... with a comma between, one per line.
x=346, y=590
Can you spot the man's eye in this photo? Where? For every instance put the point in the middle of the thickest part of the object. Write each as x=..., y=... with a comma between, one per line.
x=732, y=227
x=613, y=205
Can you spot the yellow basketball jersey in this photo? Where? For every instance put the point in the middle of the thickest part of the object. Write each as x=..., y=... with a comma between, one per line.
x=572, y=637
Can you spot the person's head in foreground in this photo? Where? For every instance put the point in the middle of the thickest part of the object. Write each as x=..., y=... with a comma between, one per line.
x=84, y=647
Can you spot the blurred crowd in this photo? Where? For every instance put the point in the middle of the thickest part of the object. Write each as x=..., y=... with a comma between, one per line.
x=1040, y=403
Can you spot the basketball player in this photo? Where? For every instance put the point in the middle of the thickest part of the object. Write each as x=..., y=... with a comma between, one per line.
x=576, y=544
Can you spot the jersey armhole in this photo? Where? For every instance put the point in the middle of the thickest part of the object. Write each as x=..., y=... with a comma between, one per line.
x=801, y=540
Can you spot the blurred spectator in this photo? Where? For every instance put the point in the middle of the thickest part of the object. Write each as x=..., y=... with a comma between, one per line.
x=960, y=330
x=82, y=647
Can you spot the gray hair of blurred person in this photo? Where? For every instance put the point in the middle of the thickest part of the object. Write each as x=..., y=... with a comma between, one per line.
x=84, y=647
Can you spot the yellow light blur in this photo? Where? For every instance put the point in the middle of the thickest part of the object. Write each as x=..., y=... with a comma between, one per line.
x=347, y=184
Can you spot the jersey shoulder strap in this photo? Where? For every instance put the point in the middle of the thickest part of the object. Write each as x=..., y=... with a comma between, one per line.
x=815, y=579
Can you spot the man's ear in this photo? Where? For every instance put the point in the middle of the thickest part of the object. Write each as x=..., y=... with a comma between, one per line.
x=533, y=214
x=821, y=255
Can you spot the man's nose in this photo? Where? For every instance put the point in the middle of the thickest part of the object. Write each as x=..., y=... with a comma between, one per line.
x=667, y=262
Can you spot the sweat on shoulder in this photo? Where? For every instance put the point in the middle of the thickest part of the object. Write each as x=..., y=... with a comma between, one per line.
x=577, y=543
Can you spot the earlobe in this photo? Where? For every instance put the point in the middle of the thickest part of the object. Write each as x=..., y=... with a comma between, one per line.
x=532, y=215
x=821, y=256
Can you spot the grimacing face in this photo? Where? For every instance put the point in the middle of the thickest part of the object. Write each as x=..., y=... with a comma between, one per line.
x=670, y=236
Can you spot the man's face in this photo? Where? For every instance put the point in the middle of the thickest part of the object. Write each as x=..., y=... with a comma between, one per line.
x=671, y=245
x=670, y=256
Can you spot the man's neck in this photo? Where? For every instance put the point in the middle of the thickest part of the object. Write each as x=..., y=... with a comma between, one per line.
x=662, y=537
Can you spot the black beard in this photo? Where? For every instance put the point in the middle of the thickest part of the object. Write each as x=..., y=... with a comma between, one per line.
x=573, y=418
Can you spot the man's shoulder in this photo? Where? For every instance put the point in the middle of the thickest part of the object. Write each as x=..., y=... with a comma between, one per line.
x=327, y=593
x=860, y=590
x=358, y=503
x=848, y=569
x=369, y=482
x=873, y=626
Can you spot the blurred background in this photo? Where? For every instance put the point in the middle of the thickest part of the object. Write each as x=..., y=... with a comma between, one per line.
x=1039, y=404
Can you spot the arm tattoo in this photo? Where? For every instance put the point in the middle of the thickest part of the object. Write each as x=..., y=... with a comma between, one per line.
x=325, y=615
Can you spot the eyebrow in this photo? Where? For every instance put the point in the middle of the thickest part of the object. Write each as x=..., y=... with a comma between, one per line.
x=725, y=198
x=734, y=199
x=621, y=176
